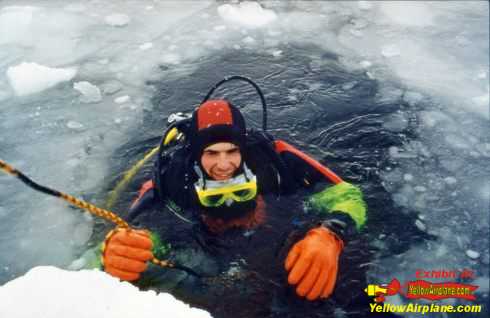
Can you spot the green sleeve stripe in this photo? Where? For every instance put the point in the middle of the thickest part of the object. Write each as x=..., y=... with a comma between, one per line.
x=343, y=197
x=160, y=248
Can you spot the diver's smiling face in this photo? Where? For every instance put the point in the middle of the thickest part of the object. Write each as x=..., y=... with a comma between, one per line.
x=221, y=160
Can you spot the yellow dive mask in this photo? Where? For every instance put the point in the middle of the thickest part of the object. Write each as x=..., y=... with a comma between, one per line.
x=213, y=193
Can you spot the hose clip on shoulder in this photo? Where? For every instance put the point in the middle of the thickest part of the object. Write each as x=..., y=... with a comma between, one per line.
x=177, y=117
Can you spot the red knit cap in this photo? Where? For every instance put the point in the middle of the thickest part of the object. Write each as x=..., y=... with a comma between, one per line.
x=216, y=121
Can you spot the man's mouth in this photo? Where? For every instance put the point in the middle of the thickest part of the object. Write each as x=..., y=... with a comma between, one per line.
x=222, y=176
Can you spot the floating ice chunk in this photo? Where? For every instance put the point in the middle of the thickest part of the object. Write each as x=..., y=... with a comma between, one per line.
x=482, y=75
x=117, y=20
x=87, y=293
x=396, y=152
x=171, y=58
x=472, y=254
x=450, y=180
x=356, y=32
x=407, y=177
x=365, y=64
x=220, y=28
x=146, y=46
x=248, y=40
x=349, y=85
x=390, y=50
x=149, y=8
x=110, y=87
x=122, y=99
x=90, y=93
x=273, y=33
x=276, y=53
x=421, y=226
x=75, y=125
x=29, y=78
x=420, y=188
x=365, y=5
x=247, y=13
x=237, y=47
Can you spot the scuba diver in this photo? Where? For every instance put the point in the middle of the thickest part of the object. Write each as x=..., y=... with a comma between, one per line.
x=247, y=204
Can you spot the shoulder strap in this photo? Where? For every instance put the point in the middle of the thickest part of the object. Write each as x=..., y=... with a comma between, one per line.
x=265, y=142
x=281, y=146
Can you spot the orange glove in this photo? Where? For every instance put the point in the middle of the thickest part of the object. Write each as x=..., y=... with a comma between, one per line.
x=312, y=263
x=125, y=253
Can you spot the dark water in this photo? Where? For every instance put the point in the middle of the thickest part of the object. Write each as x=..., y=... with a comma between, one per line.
x=326, y=111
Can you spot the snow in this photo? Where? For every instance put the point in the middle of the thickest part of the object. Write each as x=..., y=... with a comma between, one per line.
x=15, y=21
x=54, y=136
x=432, y=57
x=117, y=20
x=170, y=58
x=248, y=14
x=122, y=99
x=248, y=40
x=365, y=64
x=420, y=225
x=75, y=7
x=390, y=50
x=50, y=292
x=30, y=78
x=276, y=53
x=472, y=254
x=220, y=28
x=90, y=93
x=407, y=13
x=146, y=46
x=365, y=5
x=74, y=125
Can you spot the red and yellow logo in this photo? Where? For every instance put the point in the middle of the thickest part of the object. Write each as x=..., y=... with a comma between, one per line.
x=422, y=289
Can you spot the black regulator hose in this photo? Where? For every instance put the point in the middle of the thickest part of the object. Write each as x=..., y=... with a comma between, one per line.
x=248, y=80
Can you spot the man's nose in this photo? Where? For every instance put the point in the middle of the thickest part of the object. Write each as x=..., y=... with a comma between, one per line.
x=224, y=163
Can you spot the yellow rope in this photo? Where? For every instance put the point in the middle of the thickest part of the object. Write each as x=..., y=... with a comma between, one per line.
x=128, y=176
x=106, y=214
x=8, y=169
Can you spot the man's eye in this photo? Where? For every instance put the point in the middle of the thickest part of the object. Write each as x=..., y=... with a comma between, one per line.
x=233, y=151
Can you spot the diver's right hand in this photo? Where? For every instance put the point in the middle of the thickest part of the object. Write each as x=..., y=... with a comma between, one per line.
x=126, y=252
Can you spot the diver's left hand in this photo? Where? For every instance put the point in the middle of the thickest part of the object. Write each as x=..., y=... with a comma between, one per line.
x=312, y=263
